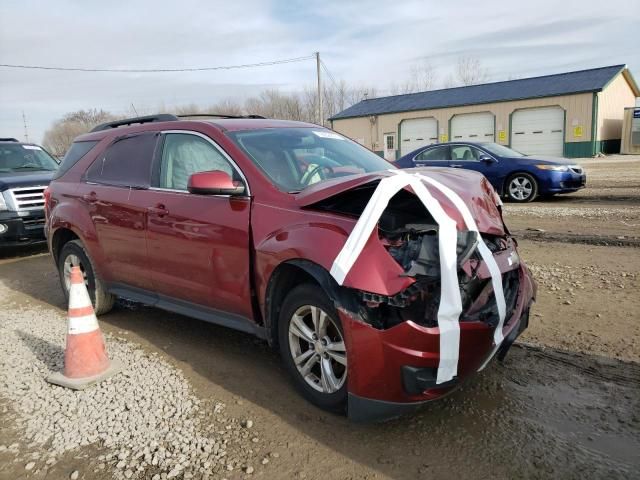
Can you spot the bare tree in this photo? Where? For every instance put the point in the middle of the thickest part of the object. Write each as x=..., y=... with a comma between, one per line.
x=271, y=103
x=449, y=81
x=227, y=107
x=188, y=109
x=60, y=136
x=88, y=118
x=469, y=71
x=422, y=77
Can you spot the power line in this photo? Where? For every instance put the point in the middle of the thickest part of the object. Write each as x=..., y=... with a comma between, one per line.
x=326, y=70
x=157, y=70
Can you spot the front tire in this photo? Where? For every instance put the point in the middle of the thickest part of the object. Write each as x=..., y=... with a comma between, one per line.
x=522, y=188
x=312, y=347
x=73, y=254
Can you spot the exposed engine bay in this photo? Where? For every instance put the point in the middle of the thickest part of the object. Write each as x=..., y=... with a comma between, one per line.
x=410, y=235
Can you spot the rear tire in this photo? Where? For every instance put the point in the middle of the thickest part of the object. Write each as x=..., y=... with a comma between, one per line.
x=74, y=254
x=309, y=330
x=521, y=187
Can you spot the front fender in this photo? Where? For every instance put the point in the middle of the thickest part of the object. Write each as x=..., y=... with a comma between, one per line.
x=319, y=243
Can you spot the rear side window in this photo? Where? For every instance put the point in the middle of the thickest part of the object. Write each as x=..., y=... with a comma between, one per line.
x=126, y=162
x=437, y=153
x=74, y=154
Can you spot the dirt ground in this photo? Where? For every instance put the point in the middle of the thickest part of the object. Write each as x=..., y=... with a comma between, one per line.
x=564, y=404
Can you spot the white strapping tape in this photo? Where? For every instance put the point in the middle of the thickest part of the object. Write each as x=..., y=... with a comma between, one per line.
x=485, y=253
x=450, y=302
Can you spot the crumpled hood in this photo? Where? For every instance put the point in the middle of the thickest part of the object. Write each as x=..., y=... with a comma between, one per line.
x=474, y=189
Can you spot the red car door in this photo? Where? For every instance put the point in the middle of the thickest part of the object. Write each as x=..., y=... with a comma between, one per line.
x=112, y=192
x=198, y=245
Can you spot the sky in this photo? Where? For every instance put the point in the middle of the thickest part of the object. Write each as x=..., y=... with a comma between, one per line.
x=366, y=43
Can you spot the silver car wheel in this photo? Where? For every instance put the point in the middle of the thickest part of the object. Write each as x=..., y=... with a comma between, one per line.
x=520, y=188
x=317, y=347
x=69, y=262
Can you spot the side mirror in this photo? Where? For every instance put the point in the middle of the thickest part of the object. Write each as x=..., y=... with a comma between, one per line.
x=487, y=159
x=215, y=182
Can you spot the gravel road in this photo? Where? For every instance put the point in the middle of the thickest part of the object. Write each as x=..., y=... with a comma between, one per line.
x=146, y=418
x=201, y=401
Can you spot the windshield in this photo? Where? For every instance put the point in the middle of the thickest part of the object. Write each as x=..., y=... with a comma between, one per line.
x=15, y=157
x=294, y=158
x=501, y=150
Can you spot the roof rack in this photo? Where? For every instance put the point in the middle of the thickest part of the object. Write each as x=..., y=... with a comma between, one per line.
x=219, y=115
x=162, y=117
x=9, y=139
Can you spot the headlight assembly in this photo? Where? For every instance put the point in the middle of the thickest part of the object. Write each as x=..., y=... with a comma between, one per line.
x=555, y=168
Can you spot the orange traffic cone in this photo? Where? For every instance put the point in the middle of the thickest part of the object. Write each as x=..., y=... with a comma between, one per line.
x=85, y=357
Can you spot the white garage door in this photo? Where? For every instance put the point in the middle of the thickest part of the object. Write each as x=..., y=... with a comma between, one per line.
x=416, y=133
x=473, y=127
x=538, y=131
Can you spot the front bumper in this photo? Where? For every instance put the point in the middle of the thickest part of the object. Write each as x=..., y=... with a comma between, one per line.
x=393, y=371
x=21, y=228
x=563, y=182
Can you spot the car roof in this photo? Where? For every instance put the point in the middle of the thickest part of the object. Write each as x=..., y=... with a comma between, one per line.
x=14, y=141
x=223, y=124
x=235, y=124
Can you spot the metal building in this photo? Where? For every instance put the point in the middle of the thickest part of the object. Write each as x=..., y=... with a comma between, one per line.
x=574, y=114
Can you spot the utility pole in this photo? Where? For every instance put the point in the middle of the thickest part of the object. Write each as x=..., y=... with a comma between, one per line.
x=26, y=132
x=320, y=109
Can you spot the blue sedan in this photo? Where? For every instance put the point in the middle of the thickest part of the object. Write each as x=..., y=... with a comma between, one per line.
x=519, y=177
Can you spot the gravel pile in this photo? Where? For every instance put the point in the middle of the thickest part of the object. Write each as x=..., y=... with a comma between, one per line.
x=146, y=418
x=568, y=279
x=540, y=211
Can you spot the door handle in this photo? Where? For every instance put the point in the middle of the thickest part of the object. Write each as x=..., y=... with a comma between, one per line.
x=90, y=197
x=455, y=165
x=159, y=210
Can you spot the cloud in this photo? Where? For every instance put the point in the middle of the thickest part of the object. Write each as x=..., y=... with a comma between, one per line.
x=365, y=42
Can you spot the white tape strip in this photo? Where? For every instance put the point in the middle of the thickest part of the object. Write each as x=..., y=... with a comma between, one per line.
x=450, y=303
x=78, y=296
x=84, y=324
x=485, y=253
x=352, y=248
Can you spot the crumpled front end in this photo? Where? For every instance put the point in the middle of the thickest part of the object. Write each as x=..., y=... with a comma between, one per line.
x=394, y=337
x=394, y=344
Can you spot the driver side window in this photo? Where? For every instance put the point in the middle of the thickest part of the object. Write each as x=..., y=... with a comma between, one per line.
x=465, y=152
x=183, y=155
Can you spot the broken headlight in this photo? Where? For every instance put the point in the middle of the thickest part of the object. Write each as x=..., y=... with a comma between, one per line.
x=418, y=252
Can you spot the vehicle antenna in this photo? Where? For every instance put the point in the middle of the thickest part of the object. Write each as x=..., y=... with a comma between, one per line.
x=26, y=130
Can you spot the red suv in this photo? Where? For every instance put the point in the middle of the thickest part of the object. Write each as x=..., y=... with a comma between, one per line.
x=382, y=288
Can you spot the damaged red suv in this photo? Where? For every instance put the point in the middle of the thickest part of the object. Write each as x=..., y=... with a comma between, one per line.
x=382, y=288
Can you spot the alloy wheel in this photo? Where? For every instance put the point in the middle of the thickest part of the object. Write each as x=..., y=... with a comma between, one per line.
x=318, y=350
x=69, y=262
x=520, y=188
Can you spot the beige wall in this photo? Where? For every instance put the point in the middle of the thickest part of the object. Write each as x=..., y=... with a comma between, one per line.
x=611, y=104
x=577, y=107
x=625, y=144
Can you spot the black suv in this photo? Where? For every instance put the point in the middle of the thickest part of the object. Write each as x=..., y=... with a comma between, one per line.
x=25, y=171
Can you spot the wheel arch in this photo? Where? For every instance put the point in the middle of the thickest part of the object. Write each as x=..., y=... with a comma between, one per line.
x=295, y=272
x=61, y=236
